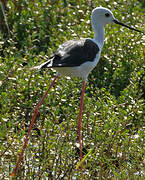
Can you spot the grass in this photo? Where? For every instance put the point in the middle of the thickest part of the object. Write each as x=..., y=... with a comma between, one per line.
x=114, y=103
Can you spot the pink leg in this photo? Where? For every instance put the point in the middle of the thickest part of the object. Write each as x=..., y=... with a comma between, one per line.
x=80, y=123
x=31, y=126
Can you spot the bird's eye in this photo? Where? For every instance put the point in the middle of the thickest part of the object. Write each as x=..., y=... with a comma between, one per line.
x=107, y=14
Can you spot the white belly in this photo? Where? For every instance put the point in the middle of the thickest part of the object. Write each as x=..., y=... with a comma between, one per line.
x=81, y=71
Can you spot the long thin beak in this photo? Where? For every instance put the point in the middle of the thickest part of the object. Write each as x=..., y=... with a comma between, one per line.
x=120, y=23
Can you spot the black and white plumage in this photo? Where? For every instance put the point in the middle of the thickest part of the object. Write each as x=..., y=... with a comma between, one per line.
x=75, y=58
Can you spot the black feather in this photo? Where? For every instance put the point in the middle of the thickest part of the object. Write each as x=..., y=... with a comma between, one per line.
x=73, y=53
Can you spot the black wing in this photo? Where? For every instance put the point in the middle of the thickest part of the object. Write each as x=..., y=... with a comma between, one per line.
x=73, y=53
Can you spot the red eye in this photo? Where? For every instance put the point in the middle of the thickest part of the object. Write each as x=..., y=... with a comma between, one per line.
x=107, y=14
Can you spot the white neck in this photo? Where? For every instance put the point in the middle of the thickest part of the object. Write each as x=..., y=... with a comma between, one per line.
x=99, y=34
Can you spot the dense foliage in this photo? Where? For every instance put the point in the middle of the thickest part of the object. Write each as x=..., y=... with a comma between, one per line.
x=114, y=106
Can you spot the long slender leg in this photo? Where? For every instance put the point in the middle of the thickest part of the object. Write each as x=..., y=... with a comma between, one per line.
x=80, y=123
x=31, y=126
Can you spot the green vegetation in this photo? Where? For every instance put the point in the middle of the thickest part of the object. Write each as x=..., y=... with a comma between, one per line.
x=114, y=104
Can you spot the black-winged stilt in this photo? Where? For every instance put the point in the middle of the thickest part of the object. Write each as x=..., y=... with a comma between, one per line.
x=77, y=58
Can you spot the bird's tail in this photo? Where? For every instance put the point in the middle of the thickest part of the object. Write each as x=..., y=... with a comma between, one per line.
x=47, y=64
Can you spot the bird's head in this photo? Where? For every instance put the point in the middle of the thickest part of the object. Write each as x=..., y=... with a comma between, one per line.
x=102, y=16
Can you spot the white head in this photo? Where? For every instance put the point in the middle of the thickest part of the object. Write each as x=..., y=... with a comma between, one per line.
x=102, y=16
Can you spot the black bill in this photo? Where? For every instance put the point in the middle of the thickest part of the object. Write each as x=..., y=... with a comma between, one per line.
x=120, y=23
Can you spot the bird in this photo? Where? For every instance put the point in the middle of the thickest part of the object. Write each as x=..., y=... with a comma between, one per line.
x=77, y=58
